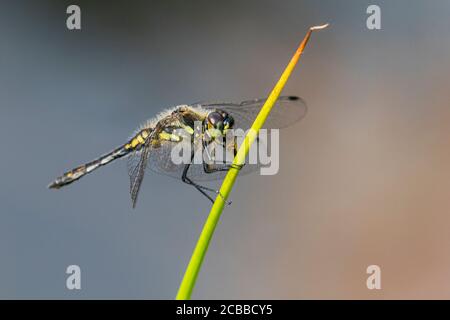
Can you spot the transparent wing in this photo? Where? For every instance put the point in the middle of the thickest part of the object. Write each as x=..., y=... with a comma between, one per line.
x=160, y=161
x=286, y=111
x=137, y=162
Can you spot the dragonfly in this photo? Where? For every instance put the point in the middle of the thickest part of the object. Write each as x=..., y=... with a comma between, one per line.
x=151, y=145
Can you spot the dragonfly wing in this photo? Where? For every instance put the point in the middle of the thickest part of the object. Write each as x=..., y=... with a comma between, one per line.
x=163, y=159
x=160, y=161
x=170, y=158
x=137, y=162
x=286, y=111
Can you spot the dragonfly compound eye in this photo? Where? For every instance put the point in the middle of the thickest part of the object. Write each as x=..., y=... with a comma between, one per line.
x=216, y=120
x=228, y=122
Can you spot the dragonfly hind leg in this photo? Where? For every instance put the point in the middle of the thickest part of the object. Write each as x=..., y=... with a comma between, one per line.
x=199, y=187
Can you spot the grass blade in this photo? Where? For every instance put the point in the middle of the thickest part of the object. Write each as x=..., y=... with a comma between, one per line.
x=193, y=268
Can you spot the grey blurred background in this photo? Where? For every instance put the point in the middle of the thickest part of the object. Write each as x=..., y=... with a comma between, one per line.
x=364, y=178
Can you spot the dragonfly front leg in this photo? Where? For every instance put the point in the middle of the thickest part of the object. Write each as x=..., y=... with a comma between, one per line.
x=208, y=168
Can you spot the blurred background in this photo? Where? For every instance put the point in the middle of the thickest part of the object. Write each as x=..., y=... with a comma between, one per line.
x=364, y=179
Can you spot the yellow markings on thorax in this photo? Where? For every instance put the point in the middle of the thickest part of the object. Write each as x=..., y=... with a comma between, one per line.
x=189, y=129
x=142, y=136
x=169, y=136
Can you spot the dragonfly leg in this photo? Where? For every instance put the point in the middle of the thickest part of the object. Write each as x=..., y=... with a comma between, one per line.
x=226, y=167
x=199, y=187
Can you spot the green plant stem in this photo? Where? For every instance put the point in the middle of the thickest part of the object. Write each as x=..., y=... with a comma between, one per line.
x=193, y=268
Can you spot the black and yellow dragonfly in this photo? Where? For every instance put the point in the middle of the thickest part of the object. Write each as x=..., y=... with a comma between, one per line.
x=152, y=144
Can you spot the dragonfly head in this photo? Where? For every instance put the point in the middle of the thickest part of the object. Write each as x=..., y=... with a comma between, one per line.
x=218, y=123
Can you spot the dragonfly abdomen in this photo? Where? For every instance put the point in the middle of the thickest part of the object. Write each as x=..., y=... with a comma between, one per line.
x=73, y=175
